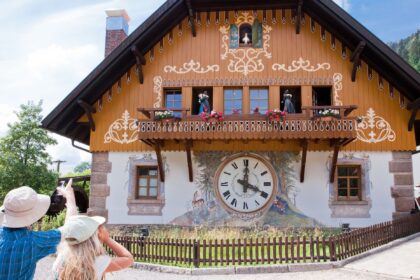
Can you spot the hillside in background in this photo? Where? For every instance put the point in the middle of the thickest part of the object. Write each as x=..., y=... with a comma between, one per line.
x=409, y=49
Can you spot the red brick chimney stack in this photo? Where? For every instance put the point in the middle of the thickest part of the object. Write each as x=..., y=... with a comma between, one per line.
x=116, y=29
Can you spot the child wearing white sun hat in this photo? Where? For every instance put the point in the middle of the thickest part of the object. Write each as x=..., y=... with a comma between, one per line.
x=82, y=256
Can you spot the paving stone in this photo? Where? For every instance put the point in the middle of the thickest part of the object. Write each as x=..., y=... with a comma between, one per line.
x=309, y=267
x=213, y=271
x=261, y=269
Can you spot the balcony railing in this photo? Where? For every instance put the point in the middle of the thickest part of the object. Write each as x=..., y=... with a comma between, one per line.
x=306, y=125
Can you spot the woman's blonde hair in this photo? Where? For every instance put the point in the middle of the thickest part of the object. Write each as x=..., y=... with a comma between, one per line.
x=79, y=259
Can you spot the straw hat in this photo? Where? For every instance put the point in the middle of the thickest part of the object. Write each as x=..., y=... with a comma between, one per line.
x=80, y=228
x=23, y=207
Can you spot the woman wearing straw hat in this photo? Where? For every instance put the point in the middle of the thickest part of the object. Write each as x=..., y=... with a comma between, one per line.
x=81, y=254
x=20, y=247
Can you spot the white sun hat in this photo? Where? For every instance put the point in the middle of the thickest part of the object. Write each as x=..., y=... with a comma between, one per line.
x=22, y=207
x=80, y=228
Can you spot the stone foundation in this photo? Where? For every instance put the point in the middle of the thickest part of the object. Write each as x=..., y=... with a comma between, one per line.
x=403, y=190
x=99, y=188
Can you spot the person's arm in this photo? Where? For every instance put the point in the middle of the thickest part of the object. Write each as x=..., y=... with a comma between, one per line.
x=68, y=193
x=124, y=258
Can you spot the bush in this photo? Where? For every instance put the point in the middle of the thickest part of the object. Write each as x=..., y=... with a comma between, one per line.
x=51, y=222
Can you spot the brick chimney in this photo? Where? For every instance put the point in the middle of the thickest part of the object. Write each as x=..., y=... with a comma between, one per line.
x=116, y=29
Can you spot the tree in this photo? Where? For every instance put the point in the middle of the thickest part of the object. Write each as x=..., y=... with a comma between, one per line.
x=23, y=157
x=81, y=167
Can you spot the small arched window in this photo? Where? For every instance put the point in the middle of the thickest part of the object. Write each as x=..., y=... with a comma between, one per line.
x=247, y=35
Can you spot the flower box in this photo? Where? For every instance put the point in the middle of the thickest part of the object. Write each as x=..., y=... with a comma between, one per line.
x=275, y=115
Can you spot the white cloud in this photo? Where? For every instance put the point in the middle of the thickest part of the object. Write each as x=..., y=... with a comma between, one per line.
x=345, y=4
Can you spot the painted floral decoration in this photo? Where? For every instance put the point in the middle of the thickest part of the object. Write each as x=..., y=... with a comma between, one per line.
x=162, y=115
x=206, y=116
x=275, y=115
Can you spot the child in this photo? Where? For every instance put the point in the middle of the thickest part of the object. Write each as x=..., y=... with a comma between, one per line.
x=81, y=254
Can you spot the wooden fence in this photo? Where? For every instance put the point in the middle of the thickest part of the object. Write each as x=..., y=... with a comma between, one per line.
x=294, y=249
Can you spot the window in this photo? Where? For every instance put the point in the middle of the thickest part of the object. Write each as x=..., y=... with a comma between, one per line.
x=259, y=99
x=321, y=96
x=196, y=97
x=349, y=182
x=173, y=100
x=246, y=35
x=147, y=182
x=295, y=99
x=233, y=101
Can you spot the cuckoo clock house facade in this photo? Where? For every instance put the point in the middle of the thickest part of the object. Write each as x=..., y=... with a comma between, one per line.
x=288, y=113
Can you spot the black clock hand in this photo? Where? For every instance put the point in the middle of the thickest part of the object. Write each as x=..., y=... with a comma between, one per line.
x=254, y=188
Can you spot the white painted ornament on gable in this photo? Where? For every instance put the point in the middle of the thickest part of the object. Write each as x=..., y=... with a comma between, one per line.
x=123, y=130
x=301, y=64
x=374, y=129
x=157, y=90
x=245, y=60
x=191, y=66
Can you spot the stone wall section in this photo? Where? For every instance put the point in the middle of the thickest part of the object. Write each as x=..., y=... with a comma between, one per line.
x=402, y=191
x=99, y=188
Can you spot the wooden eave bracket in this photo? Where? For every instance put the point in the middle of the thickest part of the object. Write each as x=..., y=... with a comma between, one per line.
x=298, y=15
x=158, y=151
x=140, y=61
x=191, y=17
x=334, y=161
x=355, y=58
x=89, y=110
x=188, y=146
x=304, y=145
x=414, y=107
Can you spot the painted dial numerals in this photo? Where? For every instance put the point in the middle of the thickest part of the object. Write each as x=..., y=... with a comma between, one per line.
x=245, y=184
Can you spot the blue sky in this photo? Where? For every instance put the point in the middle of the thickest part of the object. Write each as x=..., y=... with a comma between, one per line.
x=47, y=47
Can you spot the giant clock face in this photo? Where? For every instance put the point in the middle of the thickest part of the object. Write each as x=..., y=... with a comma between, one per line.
x=245, y=184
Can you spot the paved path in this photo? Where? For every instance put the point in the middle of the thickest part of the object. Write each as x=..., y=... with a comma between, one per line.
x=400, y=262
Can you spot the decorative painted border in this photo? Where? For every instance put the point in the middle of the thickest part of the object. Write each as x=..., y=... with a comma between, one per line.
x=191, y=66
x=157, y=90
x=301, y=64
x=338, y=87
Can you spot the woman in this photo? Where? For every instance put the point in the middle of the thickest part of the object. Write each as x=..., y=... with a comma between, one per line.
x=82, y=256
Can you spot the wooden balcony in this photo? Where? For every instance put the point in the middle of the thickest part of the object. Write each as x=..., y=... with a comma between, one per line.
x=306, y=125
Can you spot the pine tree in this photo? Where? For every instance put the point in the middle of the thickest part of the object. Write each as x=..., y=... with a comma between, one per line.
x=23, y=157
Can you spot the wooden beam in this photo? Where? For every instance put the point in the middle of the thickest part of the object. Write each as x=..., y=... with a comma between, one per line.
x=355, y=58
x=414, y=107
x=140, y=61
x=334, y=162
x=160, y=162
x=188, y=145
x=191, y=17
x=304, y=146
x=298, y=15
x=89, y=110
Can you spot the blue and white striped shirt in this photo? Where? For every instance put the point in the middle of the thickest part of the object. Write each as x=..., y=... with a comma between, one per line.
x=21, y=248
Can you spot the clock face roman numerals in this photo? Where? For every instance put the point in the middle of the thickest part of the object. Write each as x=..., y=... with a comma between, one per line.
x=245, y=184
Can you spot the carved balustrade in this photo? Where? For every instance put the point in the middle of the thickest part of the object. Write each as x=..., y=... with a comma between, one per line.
x=306, y=125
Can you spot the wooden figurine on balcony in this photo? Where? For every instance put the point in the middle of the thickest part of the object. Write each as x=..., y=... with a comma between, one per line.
x=203, y=99
x=288, y=104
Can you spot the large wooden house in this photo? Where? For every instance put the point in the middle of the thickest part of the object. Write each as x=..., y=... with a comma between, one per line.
x=185, y=118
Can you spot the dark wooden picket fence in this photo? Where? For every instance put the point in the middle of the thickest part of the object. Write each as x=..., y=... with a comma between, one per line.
x=294, y=249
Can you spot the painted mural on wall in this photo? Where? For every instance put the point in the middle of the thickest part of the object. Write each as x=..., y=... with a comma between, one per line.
x=212, y=207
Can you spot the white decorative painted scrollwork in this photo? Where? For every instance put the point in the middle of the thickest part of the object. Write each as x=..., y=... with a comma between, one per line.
x=245, y=60
x=191, y=66
x=374, y=129
x=338, y=87
x=301, y=64
x=157, y=90
x=123, y=130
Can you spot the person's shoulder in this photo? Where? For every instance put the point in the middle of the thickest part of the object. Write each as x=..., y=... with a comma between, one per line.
x=48, y=234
